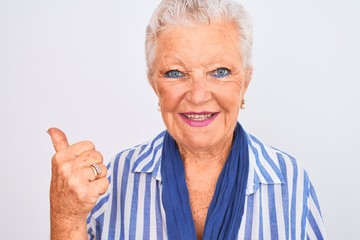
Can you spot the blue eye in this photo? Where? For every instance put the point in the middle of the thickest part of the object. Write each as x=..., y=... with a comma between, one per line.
x=220, y=72
x=174, y=74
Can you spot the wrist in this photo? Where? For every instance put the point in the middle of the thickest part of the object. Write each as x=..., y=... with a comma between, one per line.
x=67, y=228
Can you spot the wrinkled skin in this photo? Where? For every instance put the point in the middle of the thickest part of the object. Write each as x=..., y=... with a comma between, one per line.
x=199, y=54
x=74, y=187
x=200, y=79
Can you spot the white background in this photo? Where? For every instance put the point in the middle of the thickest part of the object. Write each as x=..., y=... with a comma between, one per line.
x=79, y=65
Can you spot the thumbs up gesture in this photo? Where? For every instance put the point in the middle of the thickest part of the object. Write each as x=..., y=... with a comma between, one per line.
x=78, y=179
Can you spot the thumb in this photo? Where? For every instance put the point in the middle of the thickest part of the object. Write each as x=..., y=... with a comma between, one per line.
x=58, y=139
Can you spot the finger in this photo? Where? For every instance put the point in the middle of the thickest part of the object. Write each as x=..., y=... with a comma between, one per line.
x=58, y=139
x=92, y=175
x=100, y=185
x=81, y=147
x=89, y=157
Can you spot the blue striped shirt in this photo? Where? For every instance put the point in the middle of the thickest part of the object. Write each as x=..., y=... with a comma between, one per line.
x=280, y=202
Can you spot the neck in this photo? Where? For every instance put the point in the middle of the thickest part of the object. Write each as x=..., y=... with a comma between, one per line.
x=207, y=158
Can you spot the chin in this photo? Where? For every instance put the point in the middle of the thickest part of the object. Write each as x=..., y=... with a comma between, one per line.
x=199, y=141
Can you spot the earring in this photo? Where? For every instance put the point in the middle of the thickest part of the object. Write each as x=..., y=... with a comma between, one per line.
x=243, y=104
x=159, y=108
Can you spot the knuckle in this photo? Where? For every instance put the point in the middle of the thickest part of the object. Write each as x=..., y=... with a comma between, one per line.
x=98, y=156
x=80, y=190
x=104, y=185
x=88, y=144
x=81, y=147
x=95, y=156
x=93, y=200
x=107, y=183
x=85, y=196
x=104, y=171
x=87, y=154
x=82, y=195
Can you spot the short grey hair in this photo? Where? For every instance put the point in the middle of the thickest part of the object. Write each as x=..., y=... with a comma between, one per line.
x=190, y=12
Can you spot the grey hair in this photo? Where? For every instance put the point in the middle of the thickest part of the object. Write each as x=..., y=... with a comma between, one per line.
x=190, y=12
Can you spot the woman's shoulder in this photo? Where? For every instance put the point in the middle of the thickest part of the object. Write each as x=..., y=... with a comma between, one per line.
x=273, y=164
x=138, y=156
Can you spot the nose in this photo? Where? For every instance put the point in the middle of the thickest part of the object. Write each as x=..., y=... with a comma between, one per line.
x=198, y=91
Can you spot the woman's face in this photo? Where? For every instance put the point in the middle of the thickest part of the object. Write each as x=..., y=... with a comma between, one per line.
x=200, y=80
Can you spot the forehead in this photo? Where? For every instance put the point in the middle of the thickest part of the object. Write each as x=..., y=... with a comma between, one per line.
x=199, y=43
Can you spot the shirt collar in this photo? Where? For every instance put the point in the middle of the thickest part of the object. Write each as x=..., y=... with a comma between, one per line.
x=264, y=166
x=263, y=162
x=149, y=158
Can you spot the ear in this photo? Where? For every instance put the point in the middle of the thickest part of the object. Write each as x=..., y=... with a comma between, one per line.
x=248, y=77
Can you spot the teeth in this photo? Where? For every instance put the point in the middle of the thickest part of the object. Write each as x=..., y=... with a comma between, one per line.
x=198, y=117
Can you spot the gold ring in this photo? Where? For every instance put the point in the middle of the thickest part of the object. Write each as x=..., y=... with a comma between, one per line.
x=97, y=170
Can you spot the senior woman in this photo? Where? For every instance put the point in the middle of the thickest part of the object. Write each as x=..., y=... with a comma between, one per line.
x=204, y=177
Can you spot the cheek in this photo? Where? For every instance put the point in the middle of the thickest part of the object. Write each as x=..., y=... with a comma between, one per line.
x=169, y=97
x=229, y=102
x=230, y=97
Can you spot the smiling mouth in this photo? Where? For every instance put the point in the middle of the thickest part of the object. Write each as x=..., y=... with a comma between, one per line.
x=198, y=116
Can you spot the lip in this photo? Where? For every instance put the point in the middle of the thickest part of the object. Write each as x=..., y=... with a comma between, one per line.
x=198, y=123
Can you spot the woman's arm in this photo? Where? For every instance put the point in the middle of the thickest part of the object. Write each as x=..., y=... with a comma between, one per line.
x=65, y=229
x=314, y=222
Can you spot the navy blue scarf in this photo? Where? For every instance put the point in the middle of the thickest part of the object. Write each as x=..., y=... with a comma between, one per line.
x=227, y=205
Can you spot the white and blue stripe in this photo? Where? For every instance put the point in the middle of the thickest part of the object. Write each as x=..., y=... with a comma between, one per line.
x=280, y=203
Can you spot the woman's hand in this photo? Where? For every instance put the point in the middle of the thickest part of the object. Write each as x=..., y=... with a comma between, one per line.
x=75, y=186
